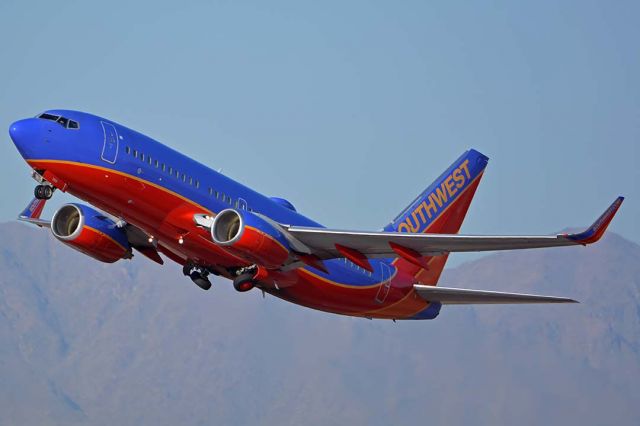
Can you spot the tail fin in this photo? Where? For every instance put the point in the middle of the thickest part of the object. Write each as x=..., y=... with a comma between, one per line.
x=440, y=209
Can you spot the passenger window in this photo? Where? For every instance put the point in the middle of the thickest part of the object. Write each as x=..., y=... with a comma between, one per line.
x=157, y=164
x=164, y=167
x=128, y=150
x=170, y=170
x=190, y=181
x=149, y=158
x=197, y=184
x=142, y=156
x=184, y=177
x=135, y=153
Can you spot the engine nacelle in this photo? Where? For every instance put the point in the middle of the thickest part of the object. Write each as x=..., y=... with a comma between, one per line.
x=90, y=232
x=250, y=237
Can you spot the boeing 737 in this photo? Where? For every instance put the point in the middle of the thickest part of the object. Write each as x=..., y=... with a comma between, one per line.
x=144, y=197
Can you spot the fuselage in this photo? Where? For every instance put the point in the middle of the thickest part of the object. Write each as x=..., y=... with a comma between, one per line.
x=157, y=189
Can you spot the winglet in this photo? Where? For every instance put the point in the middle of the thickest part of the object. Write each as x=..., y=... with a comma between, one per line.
x=595, y=231
x=33, y=209
x=32, y=213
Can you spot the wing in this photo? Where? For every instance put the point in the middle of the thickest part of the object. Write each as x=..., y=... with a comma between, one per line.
x=329, y=243
x=462, y=296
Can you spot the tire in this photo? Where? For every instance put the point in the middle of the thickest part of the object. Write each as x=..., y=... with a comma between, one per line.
x=186, y=269
x=47, y=192
x=243, y=283
x=38, y=192
x=200, y=281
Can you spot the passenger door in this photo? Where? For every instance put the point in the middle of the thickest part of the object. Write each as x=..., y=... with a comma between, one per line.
x=110, y=147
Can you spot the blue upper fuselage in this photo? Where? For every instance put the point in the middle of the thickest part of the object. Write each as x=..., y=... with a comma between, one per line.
x=138, y=155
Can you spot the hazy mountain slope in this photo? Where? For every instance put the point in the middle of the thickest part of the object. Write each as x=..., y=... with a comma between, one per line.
x=136, y=343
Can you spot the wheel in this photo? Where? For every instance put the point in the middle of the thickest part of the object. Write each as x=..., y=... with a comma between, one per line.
x=47, y=192
x=243, y=282
x=39, y=192
x=201, y=281
x=186, y=269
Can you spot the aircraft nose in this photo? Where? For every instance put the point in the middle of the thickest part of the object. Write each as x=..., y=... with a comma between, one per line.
x=23, y=135
x=18, y=131
x=14, y=131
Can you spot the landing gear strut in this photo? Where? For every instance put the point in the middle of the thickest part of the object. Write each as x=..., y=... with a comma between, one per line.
x=198, y=275
x=43, y=192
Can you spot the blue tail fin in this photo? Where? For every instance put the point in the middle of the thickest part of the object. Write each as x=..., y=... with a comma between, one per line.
x=428, y=207
x=440, y=209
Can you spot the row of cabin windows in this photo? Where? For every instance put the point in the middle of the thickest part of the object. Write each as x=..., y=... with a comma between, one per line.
x=162, y=166
x=221, y=196
x=354, y=266
x=174, y=172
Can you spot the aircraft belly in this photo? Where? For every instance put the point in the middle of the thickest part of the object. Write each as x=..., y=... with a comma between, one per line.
x=324, y=295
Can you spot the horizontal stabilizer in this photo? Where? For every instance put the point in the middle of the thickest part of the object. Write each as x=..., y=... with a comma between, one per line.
x=463, y=296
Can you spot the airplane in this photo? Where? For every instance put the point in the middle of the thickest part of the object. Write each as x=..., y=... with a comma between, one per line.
x=144, y=197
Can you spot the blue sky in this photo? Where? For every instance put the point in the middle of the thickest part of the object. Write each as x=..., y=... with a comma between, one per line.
x=349, y=109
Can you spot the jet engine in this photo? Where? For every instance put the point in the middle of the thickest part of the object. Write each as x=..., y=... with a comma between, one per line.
x=251, y=237
x=90, y=232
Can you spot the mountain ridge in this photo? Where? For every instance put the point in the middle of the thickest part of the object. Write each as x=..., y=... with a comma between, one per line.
x=134, y=342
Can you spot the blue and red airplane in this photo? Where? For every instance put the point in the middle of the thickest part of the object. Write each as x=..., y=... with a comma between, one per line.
x=148, y=198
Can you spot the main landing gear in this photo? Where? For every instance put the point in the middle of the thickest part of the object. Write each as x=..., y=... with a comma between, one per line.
x=199, y=275
x=244, y=282
x=246, y=278
x=43, y=192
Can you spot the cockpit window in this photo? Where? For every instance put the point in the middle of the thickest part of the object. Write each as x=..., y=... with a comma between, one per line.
x=63, y=121
x=49, y=117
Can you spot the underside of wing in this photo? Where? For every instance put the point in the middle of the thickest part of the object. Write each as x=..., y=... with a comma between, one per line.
x=462, y=296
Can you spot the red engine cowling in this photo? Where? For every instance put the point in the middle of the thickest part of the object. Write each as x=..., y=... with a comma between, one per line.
x=90, y=232
x=250, y=237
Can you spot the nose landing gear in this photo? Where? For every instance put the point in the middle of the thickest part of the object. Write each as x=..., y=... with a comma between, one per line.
x=43, y=192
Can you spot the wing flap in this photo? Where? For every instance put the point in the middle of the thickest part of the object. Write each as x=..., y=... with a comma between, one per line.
x=463, y=296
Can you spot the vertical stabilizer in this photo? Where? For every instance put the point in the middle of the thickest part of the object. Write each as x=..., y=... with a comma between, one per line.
x=440, y=209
